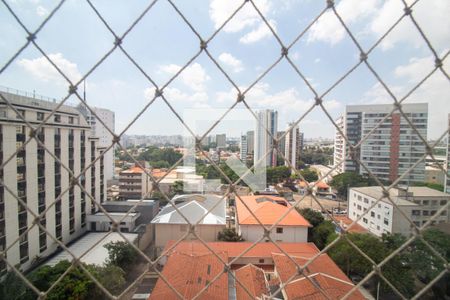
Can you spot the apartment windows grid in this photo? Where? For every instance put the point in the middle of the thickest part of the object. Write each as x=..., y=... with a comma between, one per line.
x=22, y=193
x=83, y=177
x=71, y=189
x=58, y=216
x=41, y=188
x=93, y=190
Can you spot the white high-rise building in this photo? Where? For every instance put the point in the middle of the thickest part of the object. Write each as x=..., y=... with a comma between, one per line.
x=267, y=121
x=293, y=145
x=221, y=141
x=391, y=148
x=243, y=148
x=99, y=130
x=38, y=179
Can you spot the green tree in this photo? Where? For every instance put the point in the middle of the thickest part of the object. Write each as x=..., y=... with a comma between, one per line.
x=276, y=175
x=110, y=276
x=345, y=180
x=229, y=235
x=309, y=175
x=314, y=218
x=121, y=254
x=178, y=187
x=321, y=232
x=160, y=164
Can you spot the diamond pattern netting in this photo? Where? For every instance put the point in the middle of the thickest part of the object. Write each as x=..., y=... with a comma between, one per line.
x=119, y=44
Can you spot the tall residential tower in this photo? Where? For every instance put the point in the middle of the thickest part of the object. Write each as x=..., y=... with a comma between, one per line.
x=391, y=148
x=267, y=123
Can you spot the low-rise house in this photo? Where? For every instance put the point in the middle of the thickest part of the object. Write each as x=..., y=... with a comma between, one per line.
x=419, y=204
x=255, y=274
x=133, y=216
x=268, y=210
x=171, y=225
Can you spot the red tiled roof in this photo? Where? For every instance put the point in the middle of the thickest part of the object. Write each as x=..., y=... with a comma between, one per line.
x=322, y=185
x=267, y=212
x=323, y=271
x=346, y=221
x=134, y=170
x=254, y=281
x=234, y=249
x=189, y=274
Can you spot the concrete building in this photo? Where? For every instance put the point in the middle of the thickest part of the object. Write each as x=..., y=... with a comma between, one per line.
x=293, y=145
x=38, y=179
x=267, y=122
x=221, y=141
x=250, y=142
x=134, y=183
x=268, y=209
x=170, y=225
x=99, y=130
x=138, y=221
x=434, y=175
x=391, y=149
x=418, y=203
x=243, y=148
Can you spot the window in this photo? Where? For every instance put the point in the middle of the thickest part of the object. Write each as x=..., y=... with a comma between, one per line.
x=378, y=217
x=21, y=114
x=70, y=120
x=426, y=202
x=208, y=271
x=425, y=213
x=279, y=230
x=359, y=198
x=366, y=200
x=386, y=221
x=365, y=220
x=444, y=213
x=434, y=202
x=443, y=202
x=433, y=212
x=40, y=116
x=359, y=207
x=57, y=118
x=372, y=214
x=416, y=212
x=261, y=261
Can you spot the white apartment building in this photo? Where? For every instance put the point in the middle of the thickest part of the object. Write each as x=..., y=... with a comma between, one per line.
x=134, y=183
x=293, y=145
x=243, y=148
x=263, y=143
x=391, y=148
x=38, y=179
x=221, y=141
x=418, y=203
x=99, y=130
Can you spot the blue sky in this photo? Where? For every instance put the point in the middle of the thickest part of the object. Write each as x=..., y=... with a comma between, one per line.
x=75, y=39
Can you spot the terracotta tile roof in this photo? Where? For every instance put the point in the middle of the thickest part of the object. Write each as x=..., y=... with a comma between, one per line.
x=346, y=221
x=158, y=173
x=189, y=274
x=267, y=209
x=254, y=280
x=323, y=271
x=303, y=184
x=133, y=170
x=234, y=249
x=322, y=185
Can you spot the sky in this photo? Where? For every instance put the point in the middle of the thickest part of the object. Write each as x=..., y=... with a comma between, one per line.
x=75, y=39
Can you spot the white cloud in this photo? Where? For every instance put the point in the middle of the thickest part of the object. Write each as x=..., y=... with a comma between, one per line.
x=435, y=91
x=259, y=33
x=193, y=77
x=432, y=17
x=376, y=17
x=220, y=11
x=43, y=70
x=231, y=61
x=41, y=11
x=328, y=28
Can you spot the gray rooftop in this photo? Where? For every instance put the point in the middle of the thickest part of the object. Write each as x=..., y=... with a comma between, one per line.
x=194, y=207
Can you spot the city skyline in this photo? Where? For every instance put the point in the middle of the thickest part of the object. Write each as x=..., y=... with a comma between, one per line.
x=202, y=85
